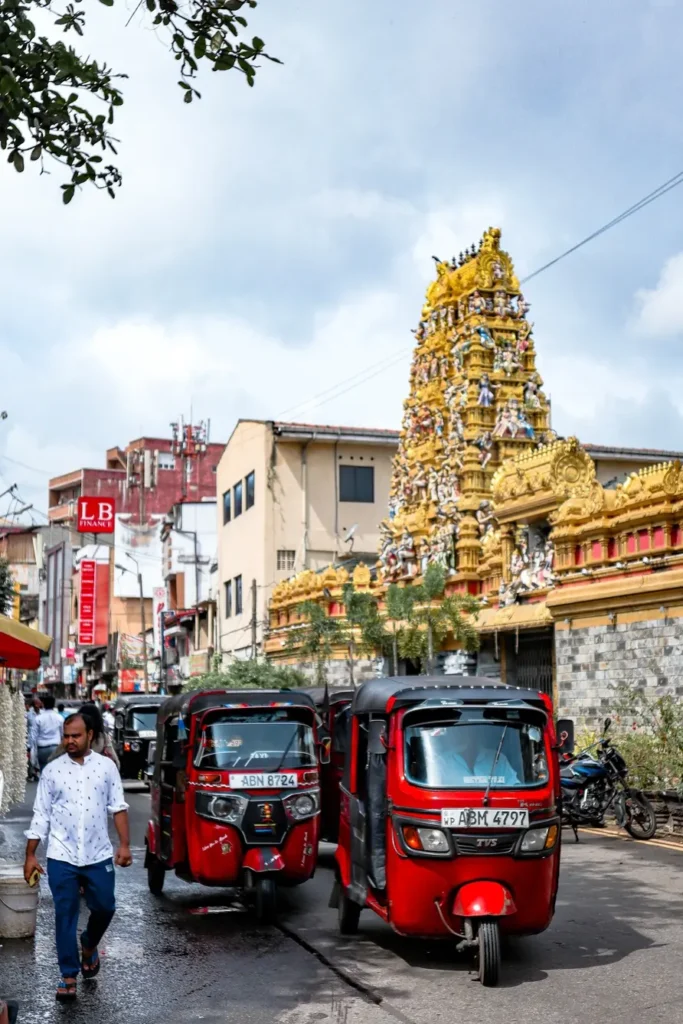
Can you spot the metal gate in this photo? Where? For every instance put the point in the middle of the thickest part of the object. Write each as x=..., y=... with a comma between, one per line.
x=535, y=661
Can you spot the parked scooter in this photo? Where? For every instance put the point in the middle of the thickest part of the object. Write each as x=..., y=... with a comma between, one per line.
x=594, y=784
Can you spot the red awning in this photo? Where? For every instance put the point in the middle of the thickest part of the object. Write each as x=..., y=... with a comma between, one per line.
x=21, y=647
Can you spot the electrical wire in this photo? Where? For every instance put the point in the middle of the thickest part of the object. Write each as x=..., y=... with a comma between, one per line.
x=656, y=193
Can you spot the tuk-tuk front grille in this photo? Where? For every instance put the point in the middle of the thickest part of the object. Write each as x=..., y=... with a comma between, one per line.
x=471, y=844
x=265, y=821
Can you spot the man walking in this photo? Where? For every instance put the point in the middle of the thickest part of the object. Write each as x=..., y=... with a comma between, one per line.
x=47, y=731
x=74, y=795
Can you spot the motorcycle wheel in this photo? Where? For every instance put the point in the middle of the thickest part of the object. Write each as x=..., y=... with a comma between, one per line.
x=156, y=874
x=641, y=821
x=348, y=914
x=488, y=954
x=266, y=900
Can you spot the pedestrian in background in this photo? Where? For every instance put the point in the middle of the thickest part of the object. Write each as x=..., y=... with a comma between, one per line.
x=75, y=793
x=108, y=719
x=47, y=731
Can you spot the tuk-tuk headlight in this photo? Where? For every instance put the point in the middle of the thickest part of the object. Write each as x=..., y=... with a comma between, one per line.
x=302, y=805
x=227, y=807
x=538, y=839
x=135, y=746
x=425, y=840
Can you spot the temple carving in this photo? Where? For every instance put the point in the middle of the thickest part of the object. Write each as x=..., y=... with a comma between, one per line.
x=563, y=560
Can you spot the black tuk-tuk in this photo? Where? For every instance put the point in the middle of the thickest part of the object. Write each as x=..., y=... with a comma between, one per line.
x=135, y=725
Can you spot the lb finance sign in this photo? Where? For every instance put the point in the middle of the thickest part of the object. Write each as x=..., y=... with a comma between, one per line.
x=96, y=515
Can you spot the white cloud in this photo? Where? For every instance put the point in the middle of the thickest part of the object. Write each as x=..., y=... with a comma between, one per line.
x=660, y=309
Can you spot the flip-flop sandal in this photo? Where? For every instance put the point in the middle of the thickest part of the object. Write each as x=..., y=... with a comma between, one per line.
x=67, y=990
x=90, y=965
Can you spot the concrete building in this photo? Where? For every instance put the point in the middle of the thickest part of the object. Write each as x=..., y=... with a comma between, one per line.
x=146, y=479
x=191, y=579
x=292, y=496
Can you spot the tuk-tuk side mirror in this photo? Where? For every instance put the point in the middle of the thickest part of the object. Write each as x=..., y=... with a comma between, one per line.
x=377, y=743
x=325, y=750
x=608, y=722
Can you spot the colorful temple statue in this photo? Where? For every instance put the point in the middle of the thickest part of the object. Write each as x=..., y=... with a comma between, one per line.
x=475, y=399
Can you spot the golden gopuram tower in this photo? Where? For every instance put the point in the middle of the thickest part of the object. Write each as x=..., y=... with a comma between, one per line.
x=475, y=400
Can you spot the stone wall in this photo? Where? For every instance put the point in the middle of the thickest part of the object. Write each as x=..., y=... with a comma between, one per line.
x=338, y=671
x=591, y=661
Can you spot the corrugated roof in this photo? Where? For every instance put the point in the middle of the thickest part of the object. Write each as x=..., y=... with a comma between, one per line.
x=326, y=428
x=644, y=453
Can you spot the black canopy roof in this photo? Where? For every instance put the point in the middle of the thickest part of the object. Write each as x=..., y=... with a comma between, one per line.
x=198, y=701
x=317, y=695
x=153, y=699
x=373, y=695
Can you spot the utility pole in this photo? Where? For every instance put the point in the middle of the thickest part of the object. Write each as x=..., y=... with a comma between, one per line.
x=144, y=632
x=142, y=619
x=254, y=619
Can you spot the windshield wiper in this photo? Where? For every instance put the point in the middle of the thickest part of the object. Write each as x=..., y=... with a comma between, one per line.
x=287, y=749
x=493, y=766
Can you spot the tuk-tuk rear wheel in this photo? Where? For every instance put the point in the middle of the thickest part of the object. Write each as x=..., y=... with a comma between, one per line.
x=348, y=913
x=266, y=900
x=156, y=875
x=488, y=953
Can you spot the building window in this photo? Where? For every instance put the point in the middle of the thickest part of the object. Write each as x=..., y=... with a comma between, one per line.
x=166, y=460
x=237, y=499
x=249, y=487
x=238, y=595
x=357, y=483
x=226, y=507
x=228, y=599
x=285, y=559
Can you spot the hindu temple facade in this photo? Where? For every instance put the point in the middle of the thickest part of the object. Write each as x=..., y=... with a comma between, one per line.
x=581, y=585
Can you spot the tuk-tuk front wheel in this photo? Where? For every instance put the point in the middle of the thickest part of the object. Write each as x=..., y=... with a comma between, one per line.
x=266, y=900
x=348, y=913
x=488, y=953
x=156, y=875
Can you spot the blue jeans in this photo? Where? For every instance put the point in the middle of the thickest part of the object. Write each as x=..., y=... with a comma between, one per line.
x=65, y=883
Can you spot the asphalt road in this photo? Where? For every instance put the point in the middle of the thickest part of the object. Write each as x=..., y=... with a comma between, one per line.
x=614, y=950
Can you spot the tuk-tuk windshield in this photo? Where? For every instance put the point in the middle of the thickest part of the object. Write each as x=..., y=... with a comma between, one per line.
x=142, y=719
x=266, y=745
x=461, y=754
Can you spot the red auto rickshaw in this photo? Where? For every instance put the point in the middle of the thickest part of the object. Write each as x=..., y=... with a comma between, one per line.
x=449, y=819
x=334, y=707
x=236, y=792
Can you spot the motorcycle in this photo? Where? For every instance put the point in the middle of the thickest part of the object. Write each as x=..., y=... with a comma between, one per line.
x=593, y=784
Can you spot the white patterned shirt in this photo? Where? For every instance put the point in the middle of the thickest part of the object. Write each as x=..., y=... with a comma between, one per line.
x=72, y=804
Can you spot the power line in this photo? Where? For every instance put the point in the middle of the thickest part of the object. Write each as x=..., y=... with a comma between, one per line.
x=23, y=465
x=661, y=190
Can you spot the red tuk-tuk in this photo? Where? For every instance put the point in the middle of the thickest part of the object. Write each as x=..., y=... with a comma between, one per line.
x=334, y=708
x=449, y=819
x=236, y=792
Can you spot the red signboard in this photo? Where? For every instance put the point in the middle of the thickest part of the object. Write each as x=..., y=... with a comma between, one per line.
x=96, y=515
x=86, y=604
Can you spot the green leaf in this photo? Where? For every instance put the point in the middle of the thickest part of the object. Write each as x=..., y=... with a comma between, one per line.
x=150, y=5
x=18, y=162
x=187, y=97
x=183, y=85
x=200, y=47
x=257, y=43
x=68, y=195
x=107, y=3
x=35, y=155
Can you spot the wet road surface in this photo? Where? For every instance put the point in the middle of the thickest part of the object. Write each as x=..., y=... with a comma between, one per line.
x=615, y=949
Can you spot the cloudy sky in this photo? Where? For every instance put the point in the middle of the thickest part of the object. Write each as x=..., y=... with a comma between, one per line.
x=271, y=246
